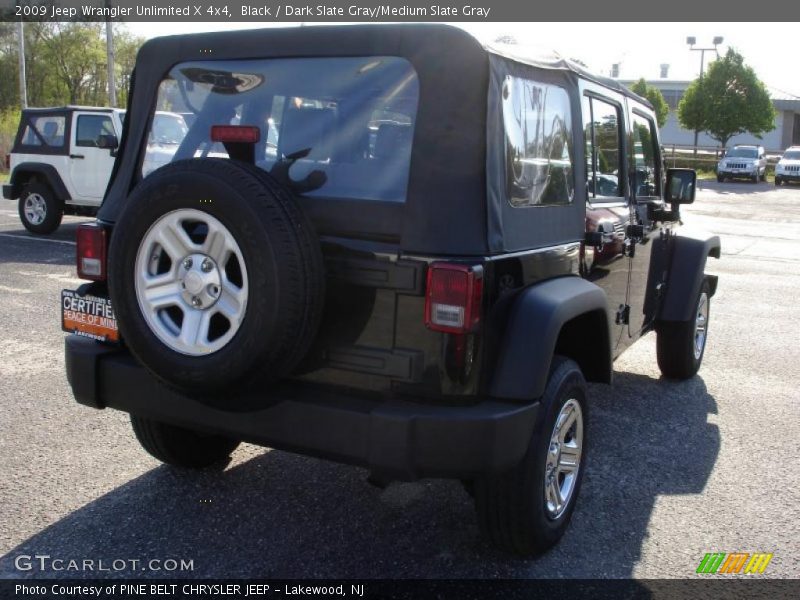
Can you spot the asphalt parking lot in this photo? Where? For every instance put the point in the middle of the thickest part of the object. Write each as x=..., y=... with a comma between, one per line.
x=675, y=469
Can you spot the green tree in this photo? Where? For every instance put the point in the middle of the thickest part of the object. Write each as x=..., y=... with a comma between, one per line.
x=653, y=94
x=729, y=100
x=65, y=63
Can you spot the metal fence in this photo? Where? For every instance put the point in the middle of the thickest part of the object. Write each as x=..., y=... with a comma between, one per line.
x=703, y=158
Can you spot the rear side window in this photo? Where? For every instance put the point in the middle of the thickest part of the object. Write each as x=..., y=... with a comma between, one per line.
x=45, y=131
x=330, y=127
x=603, y=135
x=90, y=127
x=538, y=128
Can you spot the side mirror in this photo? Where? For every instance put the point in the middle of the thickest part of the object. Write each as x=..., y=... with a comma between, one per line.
x=681, y=185
x=108, y=142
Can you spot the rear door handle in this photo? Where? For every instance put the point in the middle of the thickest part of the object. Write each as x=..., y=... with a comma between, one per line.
x=77, y=156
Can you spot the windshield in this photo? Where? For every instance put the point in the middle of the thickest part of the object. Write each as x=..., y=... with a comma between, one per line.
x=330, y=127
x=168, y=129
x=742, y=153
x=792, y=155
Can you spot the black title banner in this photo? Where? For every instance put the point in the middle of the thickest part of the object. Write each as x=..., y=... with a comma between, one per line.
x=113, y=589
x=293, y=11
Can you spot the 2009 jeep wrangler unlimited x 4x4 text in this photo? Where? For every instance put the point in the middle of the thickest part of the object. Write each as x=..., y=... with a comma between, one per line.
x=414, y=254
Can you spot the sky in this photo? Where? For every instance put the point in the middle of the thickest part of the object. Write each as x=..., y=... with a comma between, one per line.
x=770, y=48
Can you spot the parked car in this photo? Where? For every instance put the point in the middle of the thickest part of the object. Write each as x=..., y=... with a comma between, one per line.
x=423, y=295
x=166, y=134
x=743, y=162
x=788, y=168
x=60, y=163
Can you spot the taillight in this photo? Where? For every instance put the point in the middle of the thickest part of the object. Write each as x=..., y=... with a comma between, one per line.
x=235, y=133
x=453, y=297
x=91, y=252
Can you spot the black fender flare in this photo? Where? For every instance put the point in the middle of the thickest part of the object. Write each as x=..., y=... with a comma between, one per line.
x=686, y=274
x=44, y=171
x=535, y=321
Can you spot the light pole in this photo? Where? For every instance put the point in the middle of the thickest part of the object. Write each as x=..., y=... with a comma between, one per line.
x=112, y=84
x=110, y=61
x=691, y=40
x=23, y=87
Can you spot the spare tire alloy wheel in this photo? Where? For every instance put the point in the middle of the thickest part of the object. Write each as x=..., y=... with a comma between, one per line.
x=217, y=278
x=192, y=295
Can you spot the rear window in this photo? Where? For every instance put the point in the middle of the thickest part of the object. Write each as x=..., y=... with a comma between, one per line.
x=44, y=131
x=330, y=127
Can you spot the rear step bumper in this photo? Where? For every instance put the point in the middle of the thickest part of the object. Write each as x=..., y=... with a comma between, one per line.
x=402, y=439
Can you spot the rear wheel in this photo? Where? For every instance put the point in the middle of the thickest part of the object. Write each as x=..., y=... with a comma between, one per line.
x=181, y=447
x=527, y=509
x=39, y=209
x=680, y=345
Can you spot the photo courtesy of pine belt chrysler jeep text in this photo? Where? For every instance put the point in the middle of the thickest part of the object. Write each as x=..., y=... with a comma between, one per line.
x=388, y=246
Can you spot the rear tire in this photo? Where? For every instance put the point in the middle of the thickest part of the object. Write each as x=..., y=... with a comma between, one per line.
x=243, y=274
x=181, y=447
x=517, y=510
x=680, y=345
x=39, y=209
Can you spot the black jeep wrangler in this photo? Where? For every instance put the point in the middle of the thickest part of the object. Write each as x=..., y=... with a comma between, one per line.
x=388, y=246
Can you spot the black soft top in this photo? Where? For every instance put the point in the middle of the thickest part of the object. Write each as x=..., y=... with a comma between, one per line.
x=446, y=211
x=68, y=107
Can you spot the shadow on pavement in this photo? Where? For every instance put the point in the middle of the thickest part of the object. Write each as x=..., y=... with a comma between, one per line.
x=281, y=515
x=738, y=187
x=21, y=246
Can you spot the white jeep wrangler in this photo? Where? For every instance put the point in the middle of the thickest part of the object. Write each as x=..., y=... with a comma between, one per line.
x=62, y=159
x=61, y=162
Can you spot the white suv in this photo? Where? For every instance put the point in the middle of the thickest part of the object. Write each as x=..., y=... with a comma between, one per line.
x=743, y=162
x=788, y=167
x=61, y=162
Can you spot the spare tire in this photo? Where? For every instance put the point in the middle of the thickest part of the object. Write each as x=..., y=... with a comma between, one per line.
x=215, y=275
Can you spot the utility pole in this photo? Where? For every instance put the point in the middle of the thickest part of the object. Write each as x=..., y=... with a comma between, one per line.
x=23, y=86
x=691, y=40
x=110, y=61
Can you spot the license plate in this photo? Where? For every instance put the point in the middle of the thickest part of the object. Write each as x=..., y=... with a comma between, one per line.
x=88, y=316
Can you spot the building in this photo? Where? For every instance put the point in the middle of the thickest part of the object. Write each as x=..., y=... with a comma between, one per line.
x=785, y=134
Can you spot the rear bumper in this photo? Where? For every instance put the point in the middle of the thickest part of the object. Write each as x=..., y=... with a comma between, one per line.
x=399, y=438
x=8, y=192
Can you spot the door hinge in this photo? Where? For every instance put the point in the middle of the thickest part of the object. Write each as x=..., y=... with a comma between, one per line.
x=623, y=314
